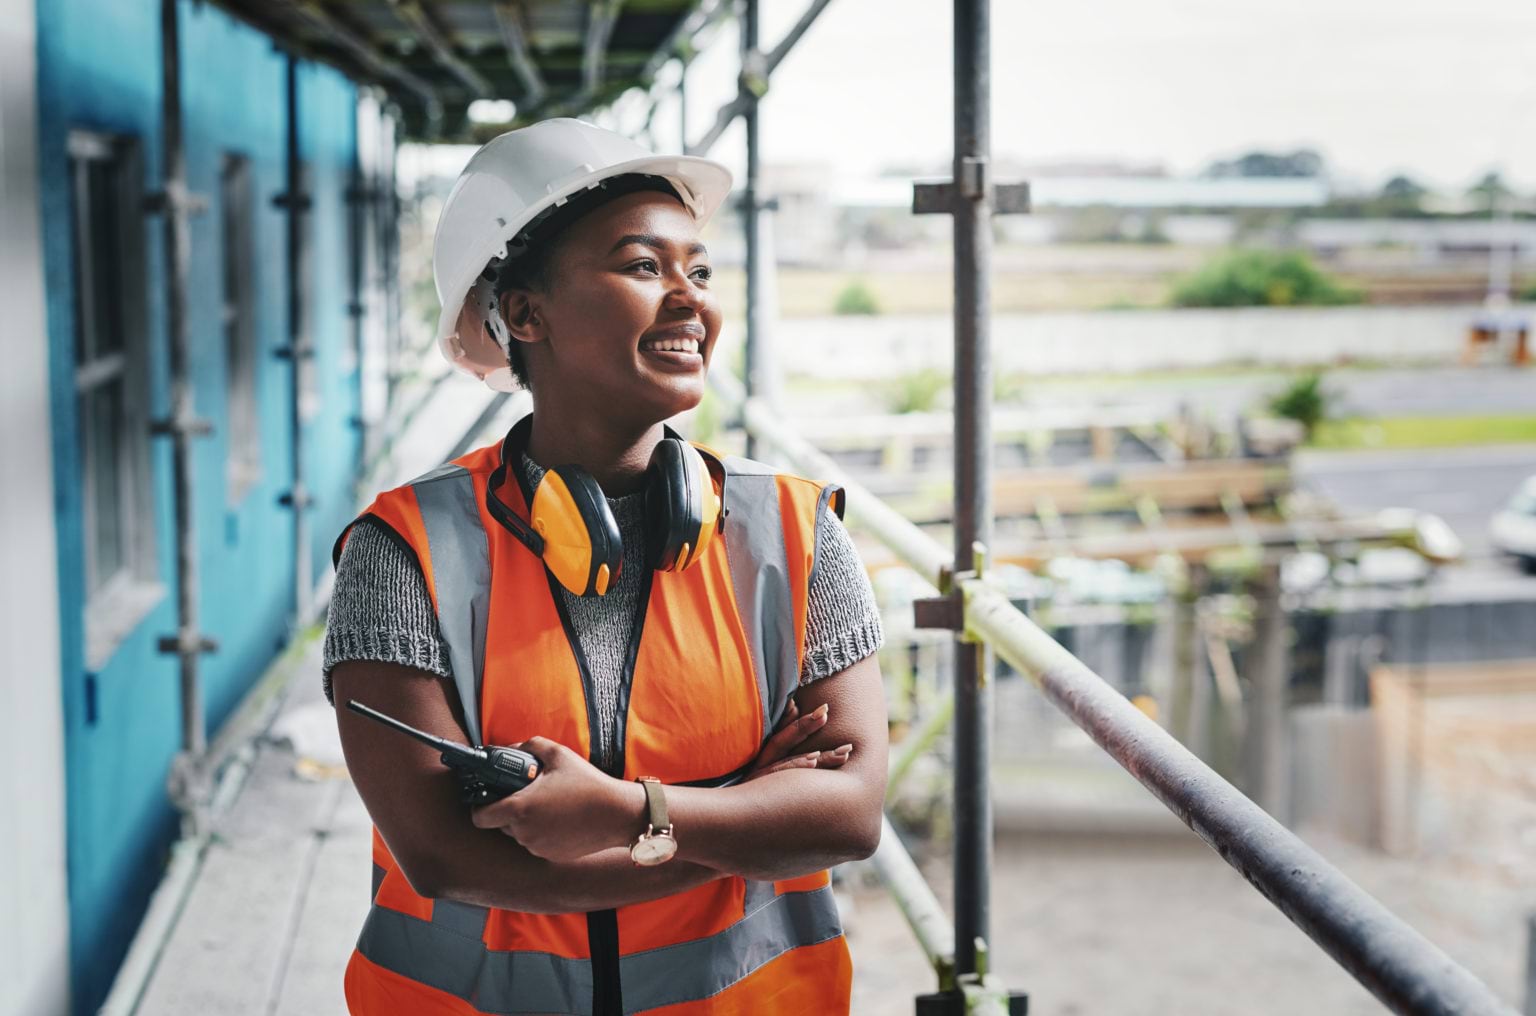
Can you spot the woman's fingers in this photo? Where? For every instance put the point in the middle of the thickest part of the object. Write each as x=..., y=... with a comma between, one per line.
x=811, y=760
x=791, y=714
x=784, y=740
x=806, y=761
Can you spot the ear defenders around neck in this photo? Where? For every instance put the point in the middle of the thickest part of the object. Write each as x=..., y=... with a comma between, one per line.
x=570, y=528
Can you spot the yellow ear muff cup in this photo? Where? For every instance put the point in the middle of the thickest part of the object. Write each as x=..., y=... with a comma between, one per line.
x=580, y=535
x=674, y=504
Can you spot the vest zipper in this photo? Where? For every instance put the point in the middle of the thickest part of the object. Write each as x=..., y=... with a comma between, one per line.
x=603, y=925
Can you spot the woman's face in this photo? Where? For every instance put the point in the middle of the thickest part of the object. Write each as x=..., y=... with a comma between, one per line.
x=627, y=321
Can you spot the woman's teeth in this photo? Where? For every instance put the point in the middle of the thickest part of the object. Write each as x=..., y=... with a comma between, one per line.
x=672, y=345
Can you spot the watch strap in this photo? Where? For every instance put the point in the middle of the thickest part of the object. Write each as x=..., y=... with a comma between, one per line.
x=656, y=803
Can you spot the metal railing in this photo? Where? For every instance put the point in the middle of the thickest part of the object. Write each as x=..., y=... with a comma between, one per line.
x=1404, y=970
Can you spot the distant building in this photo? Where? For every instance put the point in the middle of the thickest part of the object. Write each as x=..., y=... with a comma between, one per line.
x=90, y=534
x=822, y=216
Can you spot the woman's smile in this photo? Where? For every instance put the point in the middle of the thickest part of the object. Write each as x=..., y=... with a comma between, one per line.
x=676, y=347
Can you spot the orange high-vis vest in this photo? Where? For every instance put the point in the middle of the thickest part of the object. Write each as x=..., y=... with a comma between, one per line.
x=712, y=663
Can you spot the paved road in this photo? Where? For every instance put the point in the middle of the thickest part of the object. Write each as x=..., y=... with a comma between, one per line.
x=1396, y=391
x=1464, y=486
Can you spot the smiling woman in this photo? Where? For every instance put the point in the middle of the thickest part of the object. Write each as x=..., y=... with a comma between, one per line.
x=685, y=640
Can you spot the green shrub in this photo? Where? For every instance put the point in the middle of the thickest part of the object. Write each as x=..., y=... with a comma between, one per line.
x=918, y=392
x=1306, y=400
x=1260, y=278
x=1527, y=292
x=856, y=298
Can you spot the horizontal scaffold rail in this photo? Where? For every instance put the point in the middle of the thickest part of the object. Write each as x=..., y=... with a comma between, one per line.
x=1403, y=969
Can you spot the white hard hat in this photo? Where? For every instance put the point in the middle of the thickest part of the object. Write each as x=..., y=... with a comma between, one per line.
x=509, y=181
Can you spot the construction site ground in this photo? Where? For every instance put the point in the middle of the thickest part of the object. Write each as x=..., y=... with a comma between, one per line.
x=1087, y=922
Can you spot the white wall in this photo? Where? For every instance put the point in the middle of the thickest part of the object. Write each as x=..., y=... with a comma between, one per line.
x=1078, y=342
x=34, y=932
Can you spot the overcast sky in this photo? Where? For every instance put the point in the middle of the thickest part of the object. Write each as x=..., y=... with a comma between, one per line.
x=1441, y=90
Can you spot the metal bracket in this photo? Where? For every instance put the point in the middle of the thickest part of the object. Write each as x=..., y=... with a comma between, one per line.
x=292, y=202
x=175, y=198
x=763, y=204
x=975, y=994
x=172, y=426
x=974, y=177
x=754, y=73
x=177, y=645
x=302, y=499
x=947, y=611
x=354, y=309
x=939, y=198
x=305, y=352
x=941, y=612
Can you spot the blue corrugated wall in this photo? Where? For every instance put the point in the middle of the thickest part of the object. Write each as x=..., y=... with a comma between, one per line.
x=99, y=69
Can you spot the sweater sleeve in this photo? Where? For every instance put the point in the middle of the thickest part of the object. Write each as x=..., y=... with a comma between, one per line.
x=380, y=609
x=842, y=623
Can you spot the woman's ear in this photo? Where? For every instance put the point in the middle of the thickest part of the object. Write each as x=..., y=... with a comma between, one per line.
x=522, y=316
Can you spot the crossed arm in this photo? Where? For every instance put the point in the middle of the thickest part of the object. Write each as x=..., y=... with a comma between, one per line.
x=561, y=844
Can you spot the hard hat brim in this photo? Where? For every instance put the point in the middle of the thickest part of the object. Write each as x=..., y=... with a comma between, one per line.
x=703, y=184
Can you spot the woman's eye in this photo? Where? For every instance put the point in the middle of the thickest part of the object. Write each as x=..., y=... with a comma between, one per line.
x=703, y=273
x=645, y=264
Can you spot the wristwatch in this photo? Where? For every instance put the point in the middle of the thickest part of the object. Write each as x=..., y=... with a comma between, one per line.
x=657, y=844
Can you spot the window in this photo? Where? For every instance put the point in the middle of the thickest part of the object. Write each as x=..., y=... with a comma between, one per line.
x=110, y=388
x=240, y=354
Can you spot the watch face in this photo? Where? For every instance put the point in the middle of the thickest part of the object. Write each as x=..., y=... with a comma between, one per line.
x=653, y=849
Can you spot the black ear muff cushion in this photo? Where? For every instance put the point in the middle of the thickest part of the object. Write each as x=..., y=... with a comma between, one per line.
x=673, y=504
x=607, y=545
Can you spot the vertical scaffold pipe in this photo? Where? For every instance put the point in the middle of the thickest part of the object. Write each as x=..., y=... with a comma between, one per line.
x=175, y=204
x=682, y=105
x=752, y=366
x=295, y=203
x=973, y=471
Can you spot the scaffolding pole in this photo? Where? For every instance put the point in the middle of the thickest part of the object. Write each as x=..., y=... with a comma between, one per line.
x=971, y=198
x=295, y=202
x=176, y=206
x=973, y=470
x=751, y=210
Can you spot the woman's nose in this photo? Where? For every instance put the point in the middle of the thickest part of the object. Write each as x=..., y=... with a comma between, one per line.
x=684, y=294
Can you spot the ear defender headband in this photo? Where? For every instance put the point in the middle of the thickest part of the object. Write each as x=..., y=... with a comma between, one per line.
x=570, y=528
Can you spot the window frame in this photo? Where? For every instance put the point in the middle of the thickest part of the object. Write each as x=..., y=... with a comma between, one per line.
x=237, y=209
x=114, y=603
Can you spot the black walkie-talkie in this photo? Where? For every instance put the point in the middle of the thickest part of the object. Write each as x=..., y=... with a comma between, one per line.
x=486, y=774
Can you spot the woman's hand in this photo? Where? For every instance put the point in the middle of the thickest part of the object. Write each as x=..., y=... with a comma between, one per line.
x=570, y=810
x=781, y=750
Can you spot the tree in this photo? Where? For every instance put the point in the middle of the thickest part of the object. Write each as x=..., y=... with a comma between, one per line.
x=1304, y=162
x=1490, y=192
x=1400, y=195
x=1402, y=188
x=1261, y=278
x=1307, y=400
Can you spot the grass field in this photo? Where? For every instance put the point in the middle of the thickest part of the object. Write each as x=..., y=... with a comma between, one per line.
x=1424, y=432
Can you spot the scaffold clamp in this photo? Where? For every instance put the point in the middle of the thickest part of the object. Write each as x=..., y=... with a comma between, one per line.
x=938, y=198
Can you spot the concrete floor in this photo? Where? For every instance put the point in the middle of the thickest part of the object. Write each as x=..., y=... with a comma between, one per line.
x=1149, y=927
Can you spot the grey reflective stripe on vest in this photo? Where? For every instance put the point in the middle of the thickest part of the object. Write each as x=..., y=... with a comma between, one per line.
x=754, y=543
x=438, y=953
x=461, y=573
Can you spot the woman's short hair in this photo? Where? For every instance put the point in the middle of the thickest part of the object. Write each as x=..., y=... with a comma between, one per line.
x=531, y=252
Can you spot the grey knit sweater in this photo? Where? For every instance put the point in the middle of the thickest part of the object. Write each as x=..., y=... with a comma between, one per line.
x=380, y=610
